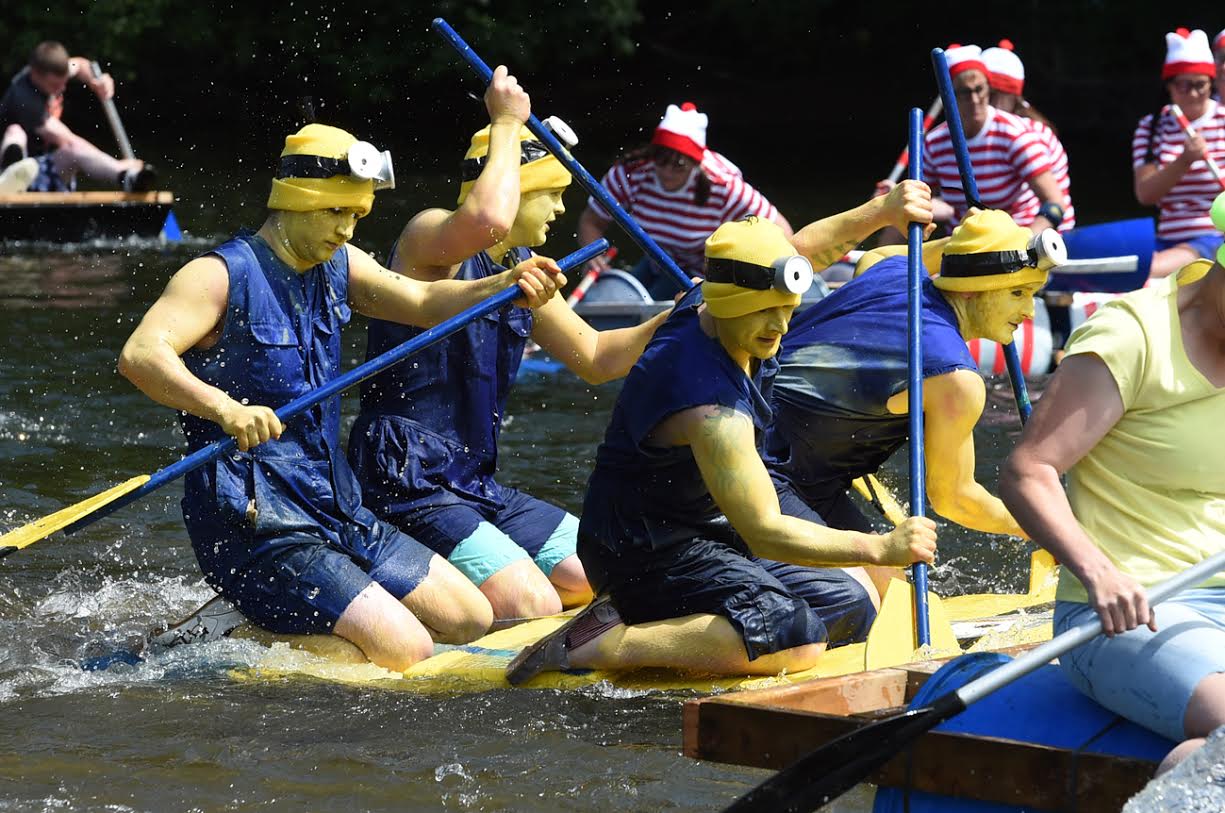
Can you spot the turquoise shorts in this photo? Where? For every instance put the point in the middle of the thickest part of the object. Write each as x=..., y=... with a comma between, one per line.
x=1149, y=677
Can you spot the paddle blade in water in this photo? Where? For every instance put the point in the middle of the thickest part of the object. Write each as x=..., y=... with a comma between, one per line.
x=41, y=528
x=831, y=770
x=891, y=641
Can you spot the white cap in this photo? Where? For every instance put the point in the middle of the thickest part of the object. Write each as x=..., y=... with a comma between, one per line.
x=1004, y=68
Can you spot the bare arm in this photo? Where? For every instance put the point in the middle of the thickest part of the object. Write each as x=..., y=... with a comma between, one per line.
x=1153, y=182
x=188, y=314
x=826, y=241
x=383, y=294
x=1047, y=189
x=591, y=227
x=953, y=403
x=593, y=355
x=442, y=238
x=723, y=446
x=80, y=69
x=1080, y=405
x=783, y=223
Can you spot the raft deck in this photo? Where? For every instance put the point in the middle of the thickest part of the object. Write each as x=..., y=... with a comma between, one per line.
x=76, y=216
x=773, y=727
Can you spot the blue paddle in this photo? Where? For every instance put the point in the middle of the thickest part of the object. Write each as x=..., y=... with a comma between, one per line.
x=584, y=178
x=914, y=363
x=1016, y=373
x=88, y=511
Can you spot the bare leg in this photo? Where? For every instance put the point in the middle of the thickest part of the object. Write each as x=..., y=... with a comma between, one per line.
x=875, y=580
x=702, y=643
x=1205, y=713
x=78, y=155
x=520, y=590
x=1170, y=260
x=570, y=581
x=450, y=605
x=385, y=631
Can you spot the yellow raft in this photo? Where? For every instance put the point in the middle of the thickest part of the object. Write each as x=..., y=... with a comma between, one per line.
x=991, y=621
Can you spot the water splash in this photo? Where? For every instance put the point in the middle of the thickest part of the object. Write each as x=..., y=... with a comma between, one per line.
x=1196, y=785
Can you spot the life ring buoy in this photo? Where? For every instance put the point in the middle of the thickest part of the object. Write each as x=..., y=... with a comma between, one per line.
x=1033, y=342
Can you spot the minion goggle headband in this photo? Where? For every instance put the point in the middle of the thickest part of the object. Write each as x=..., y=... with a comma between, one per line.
x=364, y=161
x=529, y=151
x=791, y=275
x=1045, y=251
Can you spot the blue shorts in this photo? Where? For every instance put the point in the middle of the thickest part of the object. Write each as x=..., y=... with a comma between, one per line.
x=302, y=584
x=480, y=542
x=774, y=605
x=835, y=510
x=1149, y=677
x=1205, y=245
x=48, y=180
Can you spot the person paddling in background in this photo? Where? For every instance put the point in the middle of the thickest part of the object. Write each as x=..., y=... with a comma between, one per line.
x=279, y=527
x=425, y=446
x=1168, y=163
x=1006, y=75
x=1013, y=165
x=840, y=399
x=697, y=566
x=679, y=191
x=30, y=118
x=1132, y=417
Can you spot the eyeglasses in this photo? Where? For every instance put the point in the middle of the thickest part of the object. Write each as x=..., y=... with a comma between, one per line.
x=973, y=91
x=1191, y=85
x=668, y=159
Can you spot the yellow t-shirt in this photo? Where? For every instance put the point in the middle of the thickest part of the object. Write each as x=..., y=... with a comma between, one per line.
x=1151, y=493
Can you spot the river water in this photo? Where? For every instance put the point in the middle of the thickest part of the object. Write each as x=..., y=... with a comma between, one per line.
x=178, y=733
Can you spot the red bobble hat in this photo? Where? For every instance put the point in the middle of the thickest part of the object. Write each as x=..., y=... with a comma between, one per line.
x=1187, y=52
x=1005, y=71
x=683, y=129
x=963, y=58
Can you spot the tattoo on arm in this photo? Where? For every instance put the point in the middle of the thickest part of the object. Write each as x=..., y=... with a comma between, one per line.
x=716, y=427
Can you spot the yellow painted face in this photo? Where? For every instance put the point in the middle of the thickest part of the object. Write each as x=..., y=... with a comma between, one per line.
x=313, y=237
x=757, y=334
x=997, y=314
x=537, y=209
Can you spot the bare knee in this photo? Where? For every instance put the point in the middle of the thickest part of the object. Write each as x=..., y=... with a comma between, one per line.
x=15, y=134
x=1180, y=752
x=520, y=590
x=1206, y=708
x=570, y=581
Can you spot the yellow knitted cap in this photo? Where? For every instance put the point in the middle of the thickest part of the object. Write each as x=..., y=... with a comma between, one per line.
x=308, y=194
x=752, y=240
x=545, y=172
x=988, y=230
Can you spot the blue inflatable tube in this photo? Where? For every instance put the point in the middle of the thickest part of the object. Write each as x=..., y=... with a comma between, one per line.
x=1041, y=708
x=1121, y=238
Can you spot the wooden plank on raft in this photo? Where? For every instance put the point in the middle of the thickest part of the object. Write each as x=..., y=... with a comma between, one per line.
x=989, y=769
x=25, y=199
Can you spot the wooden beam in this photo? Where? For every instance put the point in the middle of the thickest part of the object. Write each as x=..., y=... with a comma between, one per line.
x=974, y=767
x=83, y=198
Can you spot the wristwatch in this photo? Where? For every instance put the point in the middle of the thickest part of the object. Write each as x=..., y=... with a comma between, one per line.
x=1052, y=211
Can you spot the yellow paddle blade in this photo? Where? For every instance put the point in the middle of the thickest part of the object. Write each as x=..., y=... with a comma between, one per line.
x=891, y=641
x=889, y=505
x=41, y=528
x=1043, y=576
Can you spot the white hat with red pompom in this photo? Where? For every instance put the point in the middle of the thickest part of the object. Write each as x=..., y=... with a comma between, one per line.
x=683, y=129
x=1187, y=52
x=1219, y=40
x=962, y=58
x=1005, y=71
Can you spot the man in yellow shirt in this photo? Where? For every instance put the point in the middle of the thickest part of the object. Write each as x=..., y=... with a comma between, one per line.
x=1133, y=416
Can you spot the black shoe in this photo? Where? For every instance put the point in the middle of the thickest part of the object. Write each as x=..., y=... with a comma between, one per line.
x=12, y=154
x=143, y=181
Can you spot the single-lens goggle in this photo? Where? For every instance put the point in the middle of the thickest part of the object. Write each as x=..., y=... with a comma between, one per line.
x=1045, y=251
x=364, y=161
x=791, y=275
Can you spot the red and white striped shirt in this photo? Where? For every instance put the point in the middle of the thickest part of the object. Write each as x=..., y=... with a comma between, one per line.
x=1059, y=169
x=1184, y=209
x=678, y=224
x=1005, y=154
